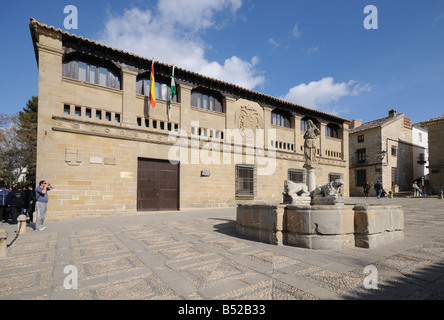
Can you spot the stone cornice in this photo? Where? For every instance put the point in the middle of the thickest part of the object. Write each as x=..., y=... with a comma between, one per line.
x=117, y=131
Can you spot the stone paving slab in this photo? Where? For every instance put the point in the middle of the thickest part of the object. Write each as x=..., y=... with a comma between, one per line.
x=197, y=255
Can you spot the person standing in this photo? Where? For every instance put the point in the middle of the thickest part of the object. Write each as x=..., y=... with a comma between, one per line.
x=30, y=203
x=15, y=200
x=378, y=188
x=41, y=195
x=3, y=205
x=367, y=189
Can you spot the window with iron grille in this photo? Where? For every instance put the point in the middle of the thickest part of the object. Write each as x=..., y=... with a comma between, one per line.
x=296, y=175
x=334, y=176
x=245, y=181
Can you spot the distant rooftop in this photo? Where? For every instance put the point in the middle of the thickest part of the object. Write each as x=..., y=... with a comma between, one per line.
x=379, y=123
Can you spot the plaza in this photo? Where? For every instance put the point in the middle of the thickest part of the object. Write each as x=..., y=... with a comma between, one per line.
x=197, y=255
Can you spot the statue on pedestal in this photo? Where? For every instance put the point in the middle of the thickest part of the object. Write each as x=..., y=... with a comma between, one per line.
x=310, y=137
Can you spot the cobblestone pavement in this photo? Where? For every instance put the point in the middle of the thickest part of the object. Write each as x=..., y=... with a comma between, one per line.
x=195, y=255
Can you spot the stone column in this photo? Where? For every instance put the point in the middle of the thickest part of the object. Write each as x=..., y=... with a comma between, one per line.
x=3, y=244
x=311, y=178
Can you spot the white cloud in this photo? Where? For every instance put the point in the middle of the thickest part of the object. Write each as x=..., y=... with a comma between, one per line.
x=321, y=94
x=296, y=32
x=273, y=42
x=312, y=50
x=171, y=35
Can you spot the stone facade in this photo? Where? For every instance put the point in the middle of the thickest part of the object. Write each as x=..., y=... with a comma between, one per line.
x=91, y=137
x=435, y=129
x=382, y=150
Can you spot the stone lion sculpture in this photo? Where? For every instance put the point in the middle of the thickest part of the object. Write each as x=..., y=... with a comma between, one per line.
x=329, y=191
x=295, y=192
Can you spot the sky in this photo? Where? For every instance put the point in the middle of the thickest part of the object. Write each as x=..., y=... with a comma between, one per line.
x=330, y=55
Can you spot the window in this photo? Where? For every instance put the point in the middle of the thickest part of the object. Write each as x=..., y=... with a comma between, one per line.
x=361, y=138
x=420, y=137
x=103, y=76
x=334, y=176
x=394, y=151
x=304, y=123
x=108, y=116
x=92, y=74
x=66, y=109
x=88, y=112
x=332, y=131
x=296, y=175
x=117, y=118
x=83, y=71
x=245, y=181
x=98, y=115
x=361, y=178
x=78, y=111
x=362, y=156
x=206, y=101
x=280, y=119
x=162, y=89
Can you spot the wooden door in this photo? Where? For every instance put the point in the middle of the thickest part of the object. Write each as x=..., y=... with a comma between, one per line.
x=157, y=185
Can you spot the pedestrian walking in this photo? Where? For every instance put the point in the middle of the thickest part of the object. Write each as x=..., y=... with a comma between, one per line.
x=4, y=214
x=378, y=188
x=41, y=195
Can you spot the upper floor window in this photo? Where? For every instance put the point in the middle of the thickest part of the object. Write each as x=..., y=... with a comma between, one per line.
x=304, y=123
x=360, y=138
x=362, y=155
x=162, y=89
x=206, y=101
x=91, y=73
x=280, y=119
x=332, y=131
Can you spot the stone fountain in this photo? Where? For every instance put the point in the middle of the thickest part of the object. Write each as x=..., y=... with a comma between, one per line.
x=315, y=217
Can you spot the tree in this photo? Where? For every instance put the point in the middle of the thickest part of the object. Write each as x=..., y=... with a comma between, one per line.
x=26, y=131
x=18, y=143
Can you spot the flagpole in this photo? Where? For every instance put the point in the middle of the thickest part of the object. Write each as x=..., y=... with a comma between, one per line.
x=172, y=94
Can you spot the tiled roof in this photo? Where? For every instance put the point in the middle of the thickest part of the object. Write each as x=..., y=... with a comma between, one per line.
x=438, y=119
x=375, y=124
x=34, y=23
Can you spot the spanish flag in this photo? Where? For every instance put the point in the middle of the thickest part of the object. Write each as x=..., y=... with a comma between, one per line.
x=152, y=87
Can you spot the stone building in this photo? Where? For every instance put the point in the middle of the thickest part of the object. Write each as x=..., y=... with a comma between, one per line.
x=435, y=128
x=105, y=149
x=381, y=150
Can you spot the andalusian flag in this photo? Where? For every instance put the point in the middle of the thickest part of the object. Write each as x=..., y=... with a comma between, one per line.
x=172, y=94
x=152, y=87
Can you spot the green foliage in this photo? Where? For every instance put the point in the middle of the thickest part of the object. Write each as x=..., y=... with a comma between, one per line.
x=18, y=143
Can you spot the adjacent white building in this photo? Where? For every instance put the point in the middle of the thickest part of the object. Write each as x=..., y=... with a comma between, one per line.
x=420, y=152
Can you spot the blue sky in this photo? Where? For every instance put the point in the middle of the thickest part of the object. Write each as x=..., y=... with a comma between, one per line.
x=316, y=53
